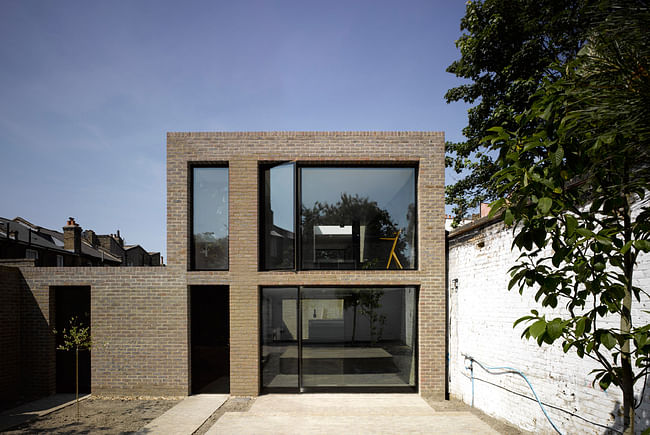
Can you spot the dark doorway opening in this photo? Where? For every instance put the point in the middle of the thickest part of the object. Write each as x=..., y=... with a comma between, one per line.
x=69, y=302
x=210, y=339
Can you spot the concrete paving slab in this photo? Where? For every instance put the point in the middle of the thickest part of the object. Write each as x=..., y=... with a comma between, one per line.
x=187, y=416
x=341, y=404
x=242, y=424
x=35, y=409
x=346, y=413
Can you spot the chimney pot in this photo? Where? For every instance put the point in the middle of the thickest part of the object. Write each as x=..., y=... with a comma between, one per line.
x=72, y=236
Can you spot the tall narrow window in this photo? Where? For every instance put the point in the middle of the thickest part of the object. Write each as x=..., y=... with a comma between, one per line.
x=278, y=208
x=358, y=218
x=209, y=218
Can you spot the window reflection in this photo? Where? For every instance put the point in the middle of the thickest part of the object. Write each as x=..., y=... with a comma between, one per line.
x=210, y=218
x=338, y=337
x=279, y=331
x=278, y=209
x=358, y=218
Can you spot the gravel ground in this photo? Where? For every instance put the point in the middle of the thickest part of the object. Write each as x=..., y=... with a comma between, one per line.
x=99, y=415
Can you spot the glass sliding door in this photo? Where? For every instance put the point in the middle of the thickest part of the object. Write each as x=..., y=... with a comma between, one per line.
x=358, y=337
x=340, y=338
x=279, y=365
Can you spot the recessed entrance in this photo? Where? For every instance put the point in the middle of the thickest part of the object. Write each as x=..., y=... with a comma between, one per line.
x=209, y=339
x=338, y=339
x=71, y=302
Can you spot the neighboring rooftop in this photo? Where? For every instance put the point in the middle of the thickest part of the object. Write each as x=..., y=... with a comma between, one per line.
x=19, y=238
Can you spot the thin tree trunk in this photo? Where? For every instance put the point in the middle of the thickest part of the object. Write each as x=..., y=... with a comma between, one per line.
x=627, y=384
x=76, y=375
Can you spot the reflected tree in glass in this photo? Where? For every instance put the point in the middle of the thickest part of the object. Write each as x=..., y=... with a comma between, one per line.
x=357, y=212
x=352, y=217
x=210, y=218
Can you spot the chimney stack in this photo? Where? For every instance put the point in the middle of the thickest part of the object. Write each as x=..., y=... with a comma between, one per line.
x=72, y=236
x=485, y=209
x=91, y=238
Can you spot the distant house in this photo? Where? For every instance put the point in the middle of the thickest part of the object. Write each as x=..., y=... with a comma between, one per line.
x=137, y=256
x=20, y=239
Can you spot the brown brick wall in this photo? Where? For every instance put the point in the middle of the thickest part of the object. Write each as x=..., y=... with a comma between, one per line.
x=243, y=152
x=138, y=322
x=10, y=291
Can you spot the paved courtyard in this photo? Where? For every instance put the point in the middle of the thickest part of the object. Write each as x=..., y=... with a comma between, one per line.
x=347, y=413
x=268, y=414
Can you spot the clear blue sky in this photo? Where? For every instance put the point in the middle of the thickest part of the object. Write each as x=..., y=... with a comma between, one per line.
x=89, y=89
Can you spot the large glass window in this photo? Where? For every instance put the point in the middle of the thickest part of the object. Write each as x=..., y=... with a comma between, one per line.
x=358, y=218
x=278, y=212
x=350, y=218
x=209, y=218
x=339, y=337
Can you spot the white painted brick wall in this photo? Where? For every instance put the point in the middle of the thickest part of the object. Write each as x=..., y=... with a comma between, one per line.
x=481, y=315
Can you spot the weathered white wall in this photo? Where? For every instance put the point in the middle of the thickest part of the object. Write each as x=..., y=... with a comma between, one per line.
x=481, y=315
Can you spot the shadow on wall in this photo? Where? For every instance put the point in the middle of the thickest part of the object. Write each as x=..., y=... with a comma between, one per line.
x=27, y=366
x=642, y=413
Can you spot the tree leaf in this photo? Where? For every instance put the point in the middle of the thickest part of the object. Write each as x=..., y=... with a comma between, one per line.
x=571, y=225
x=508, y=218
x=580, y=326
x=626, y=247
x=544, y=205
x=584, y=232
x=554, y=329
x=642, y=245
x=608, y=340
x=538, y=328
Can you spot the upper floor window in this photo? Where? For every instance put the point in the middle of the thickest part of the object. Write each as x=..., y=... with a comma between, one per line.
x=209, y=242
x=278, y=216
x=349, y=218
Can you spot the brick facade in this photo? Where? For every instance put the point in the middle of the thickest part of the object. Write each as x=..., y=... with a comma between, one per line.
x=140, y=316
x=243, y=152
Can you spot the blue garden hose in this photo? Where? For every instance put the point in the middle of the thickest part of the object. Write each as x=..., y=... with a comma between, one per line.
x=505, y=370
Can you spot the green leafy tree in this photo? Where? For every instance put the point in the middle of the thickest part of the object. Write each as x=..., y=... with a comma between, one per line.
x=76, y=337
x=507, y=47
x=571, y=172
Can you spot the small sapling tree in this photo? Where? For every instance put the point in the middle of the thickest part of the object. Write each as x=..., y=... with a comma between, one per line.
x=76, y=337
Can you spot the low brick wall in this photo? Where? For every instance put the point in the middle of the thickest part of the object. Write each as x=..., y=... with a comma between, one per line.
x=139, y=324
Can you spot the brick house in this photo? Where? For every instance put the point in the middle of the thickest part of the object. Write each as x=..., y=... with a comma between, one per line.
x=297, y=261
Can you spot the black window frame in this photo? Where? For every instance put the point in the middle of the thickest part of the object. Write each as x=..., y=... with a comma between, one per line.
x=261, y=203
x=297, y=222
x=336, y=389
x=191, y=166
